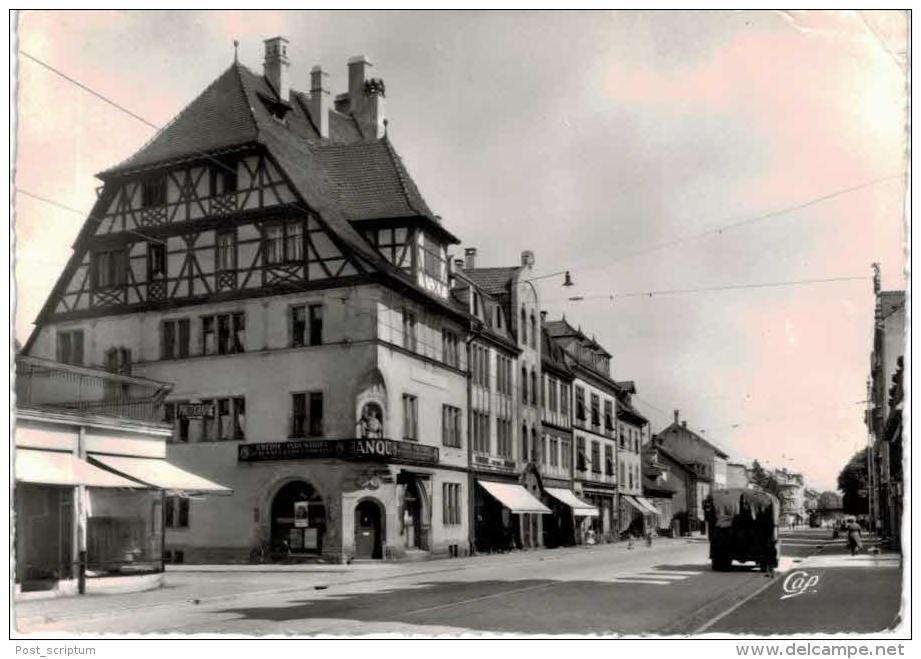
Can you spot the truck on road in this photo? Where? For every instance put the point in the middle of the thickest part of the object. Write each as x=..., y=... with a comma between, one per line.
x=743, y=526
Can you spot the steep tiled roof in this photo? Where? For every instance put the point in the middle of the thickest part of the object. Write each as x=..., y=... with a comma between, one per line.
x=678, y=428
x=370, y=181
x=220, y=117
x=366, y=178
x=232, y=112
x=494, y=281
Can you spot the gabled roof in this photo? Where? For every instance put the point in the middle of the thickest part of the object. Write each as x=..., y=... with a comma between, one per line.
x=233, y=112
x=552, y=354
x=490, y=306
x=494, y=281
x=366, y=178
x=678, y=428
x=627, y=412
x=220, y=117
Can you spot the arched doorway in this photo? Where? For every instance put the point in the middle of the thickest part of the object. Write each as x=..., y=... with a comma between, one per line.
x=298, y=519
x=369, y=530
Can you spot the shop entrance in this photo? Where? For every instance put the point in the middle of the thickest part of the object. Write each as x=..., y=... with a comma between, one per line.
x=368, y=530
x=298, y=520
x=412, y=516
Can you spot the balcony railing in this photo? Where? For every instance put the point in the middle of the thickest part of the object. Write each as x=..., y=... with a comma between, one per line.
x=52, y=386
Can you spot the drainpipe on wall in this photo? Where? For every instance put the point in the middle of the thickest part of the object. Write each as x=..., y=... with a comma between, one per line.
x=471, y=480
x=79, y=513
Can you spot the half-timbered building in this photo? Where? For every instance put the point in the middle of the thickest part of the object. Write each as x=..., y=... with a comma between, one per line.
x=269, y=254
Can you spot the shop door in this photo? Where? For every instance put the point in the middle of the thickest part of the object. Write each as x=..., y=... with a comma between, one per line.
x=412, y=517
x=368, y=530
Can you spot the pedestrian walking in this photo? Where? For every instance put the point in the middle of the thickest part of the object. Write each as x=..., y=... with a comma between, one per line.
x=854, y=542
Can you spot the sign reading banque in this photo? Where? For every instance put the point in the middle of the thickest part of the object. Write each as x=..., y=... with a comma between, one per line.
x=382, y=450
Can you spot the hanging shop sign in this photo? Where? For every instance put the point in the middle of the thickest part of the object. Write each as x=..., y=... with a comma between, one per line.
x=380, y=450
x=196, y=411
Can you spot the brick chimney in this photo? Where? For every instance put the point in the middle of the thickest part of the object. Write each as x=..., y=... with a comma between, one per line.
x=676, y=416
x=276, y=66
x=366, y=98
x=470, y=258
x=319, y=100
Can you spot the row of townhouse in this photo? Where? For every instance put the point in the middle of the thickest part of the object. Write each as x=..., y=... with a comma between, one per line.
x=269, y=255
x=885, y=486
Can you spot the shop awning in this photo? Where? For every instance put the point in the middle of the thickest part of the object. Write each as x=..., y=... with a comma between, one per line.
x=579, y=507
x=514, y=497
x=160, y=473
x=648, y=505
x=58, y=468
x=636, y=504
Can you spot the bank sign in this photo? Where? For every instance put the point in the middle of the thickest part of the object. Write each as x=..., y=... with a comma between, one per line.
x=378, y=450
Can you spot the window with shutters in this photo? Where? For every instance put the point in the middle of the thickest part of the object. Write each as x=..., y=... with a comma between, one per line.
x=306, y=414
x=223, y=334
x=177, y=512
x=109, y=269
x=596, y=458
x=70, y=347
x=451, y=503
x=580, y=454
x=410, y=417
x=226, y=244
x=409, y=330
x=175, y=336
x=451, y=426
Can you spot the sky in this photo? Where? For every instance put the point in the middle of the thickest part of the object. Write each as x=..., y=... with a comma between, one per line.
x=605, y=142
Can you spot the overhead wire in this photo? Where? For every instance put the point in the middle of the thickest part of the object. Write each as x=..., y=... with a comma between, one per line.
x=613, y=297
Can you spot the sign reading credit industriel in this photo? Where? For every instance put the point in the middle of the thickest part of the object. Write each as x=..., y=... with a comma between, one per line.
x=386, y=450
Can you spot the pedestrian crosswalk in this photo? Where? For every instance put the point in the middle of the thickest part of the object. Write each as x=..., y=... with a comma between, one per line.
x=654, y=577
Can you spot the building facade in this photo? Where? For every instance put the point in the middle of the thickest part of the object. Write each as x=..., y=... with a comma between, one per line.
x=699, y=455
x=636, y=514
x=93, y=489
x=594, y=426
x=269, y=254
x=517, y=297
x=884, y=415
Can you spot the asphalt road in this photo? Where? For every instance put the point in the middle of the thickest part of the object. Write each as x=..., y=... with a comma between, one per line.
x=829, y=592
x=666, y=589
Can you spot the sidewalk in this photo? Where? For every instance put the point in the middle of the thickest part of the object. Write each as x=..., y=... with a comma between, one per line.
x=205, y=584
